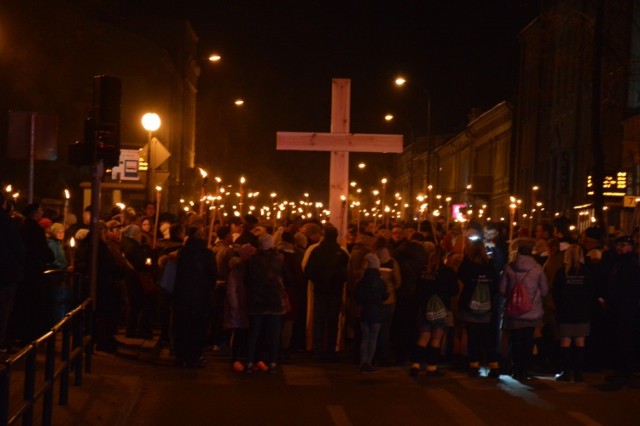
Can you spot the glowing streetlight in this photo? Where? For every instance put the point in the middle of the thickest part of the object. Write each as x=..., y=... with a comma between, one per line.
x=214, y=57
x=150, y=122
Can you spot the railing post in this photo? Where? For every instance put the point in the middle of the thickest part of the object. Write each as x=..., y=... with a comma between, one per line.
x=78, y=324
x=5, y=372
x=89, y=336
x=29, y=385
x=49, y=372
x=64, y=356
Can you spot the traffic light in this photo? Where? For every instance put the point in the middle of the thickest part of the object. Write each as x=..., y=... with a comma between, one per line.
x=107, y=92
x=83, y=153
x=102, y=127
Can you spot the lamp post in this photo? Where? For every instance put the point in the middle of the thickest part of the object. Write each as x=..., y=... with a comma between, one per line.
x=512, y=213
x=150, y=122
x=155, y=225
x=384, y=203
x=242, y=181
x=534, y=193
x=374, y=210
x=401, y=81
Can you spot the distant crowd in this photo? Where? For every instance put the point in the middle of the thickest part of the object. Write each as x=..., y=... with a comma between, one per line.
x=416, y=294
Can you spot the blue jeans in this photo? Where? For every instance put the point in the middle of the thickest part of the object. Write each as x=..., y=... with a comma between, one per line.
x=369, y=341
x=272, y=324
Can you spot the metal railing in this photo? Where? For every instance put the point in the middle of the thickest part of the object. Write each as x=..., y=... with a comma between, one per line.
x=70, y=338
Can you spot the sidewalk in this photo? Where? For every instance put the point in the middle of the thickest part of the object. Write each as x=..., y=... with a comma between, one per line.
x=112, y=389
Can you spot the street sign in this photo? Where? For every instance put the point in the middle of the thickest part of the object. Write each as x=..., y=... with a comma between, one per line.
x=631, y=200
x=159, y=153
x=127, y=168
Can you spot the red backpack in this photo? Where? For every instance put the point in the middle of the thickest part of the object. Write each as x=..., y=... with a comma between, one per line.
x=519, y=302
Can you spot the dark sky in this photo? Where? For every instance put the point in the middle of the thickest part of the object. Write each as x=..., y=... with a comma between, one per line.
x=281, y=56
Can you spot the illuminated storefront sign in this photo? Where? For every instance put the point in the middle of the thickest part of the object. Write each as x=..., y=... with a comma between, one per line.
x=612, y=186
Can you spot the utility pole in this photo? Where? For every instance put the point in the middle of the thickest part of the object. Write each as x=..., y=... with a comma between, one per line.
x=596, y=115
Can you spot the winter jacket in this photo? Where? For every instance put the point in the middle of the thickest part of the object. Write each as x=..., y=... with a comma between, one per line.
x=326, y=267
x=574, y=295
x=195, y=277
x=59, y=259
x=235, y=302
x=470, y=273
x=525, y=269
x=442, y=283
x=370, y=294
x=263, y=280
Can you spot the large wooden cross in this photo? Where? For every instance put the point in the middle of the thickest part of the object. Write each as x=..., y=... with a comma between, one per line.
x=340, y=142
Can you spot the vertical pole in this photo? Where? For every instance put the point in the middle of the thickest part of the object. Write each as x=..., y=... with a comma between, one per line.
x=150, y=165
x=32, y=155
x=596, y=116
x=339, y=169
x=47, y=400
x=96, y=187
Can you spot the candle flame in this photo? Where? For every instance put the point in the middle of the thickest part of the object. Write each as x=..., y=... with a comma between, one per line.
x=67, y=195
x=158, y=188
x=72, y=242
x=202, y=173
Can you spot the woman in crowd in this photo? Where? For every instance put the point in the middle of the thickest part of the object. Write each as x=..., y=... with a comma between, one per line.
x=479, y=285
x=439, y=281
x=524, y=285
x=573, y=294
x=390, y=273
x=265, y=302
x=195, y=277
x=370, y=294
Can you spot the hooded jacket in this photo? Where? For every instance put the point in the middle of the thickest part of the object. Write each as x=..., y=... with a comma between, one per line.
x=525, y=269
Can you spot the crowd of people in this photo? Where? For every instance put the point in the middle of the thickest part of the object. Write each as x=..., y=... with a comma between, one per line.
x=551, y=301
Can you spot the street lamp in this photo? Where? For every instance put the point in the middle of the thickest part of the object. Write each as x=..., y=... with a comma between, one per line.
x=242, y=181
x=401, y=81
x=384, y=202
x=150, y=122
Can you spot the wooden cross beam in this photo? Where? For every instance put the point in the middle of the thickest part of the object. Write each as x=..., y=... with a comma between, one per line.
x=339, y=142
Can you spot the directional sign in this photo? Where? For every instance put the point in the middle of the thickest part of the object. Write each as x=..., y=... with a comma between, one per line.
x=159, y=154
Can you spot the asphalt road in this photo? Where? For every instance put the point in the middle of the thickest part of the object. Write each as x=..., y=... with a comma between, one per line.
x=136, y=392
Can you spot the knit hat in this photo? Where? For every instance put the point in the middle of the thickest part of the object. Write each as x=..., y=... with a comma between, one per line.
x=132, y=231
x=372, y=261
x=57, y=227
x=44, y=222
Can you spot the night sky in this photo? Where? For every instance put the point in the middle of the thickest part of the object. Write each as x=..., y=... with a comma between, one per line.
x=280, y=58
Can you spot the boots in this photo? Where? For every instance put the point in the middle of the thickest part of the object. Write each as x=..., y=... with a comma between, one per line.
x=565, y=362
x=578, y=361
x=433, y=356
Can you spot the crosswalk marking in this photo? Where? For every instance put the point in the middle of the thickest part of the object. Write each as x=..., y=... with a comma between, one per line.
x=338, y=415
x=454, y=408
x=583, y=418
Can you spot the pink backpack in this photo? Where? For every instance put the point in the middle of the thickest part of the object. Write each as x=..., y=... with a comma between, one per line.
x=519, y=302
